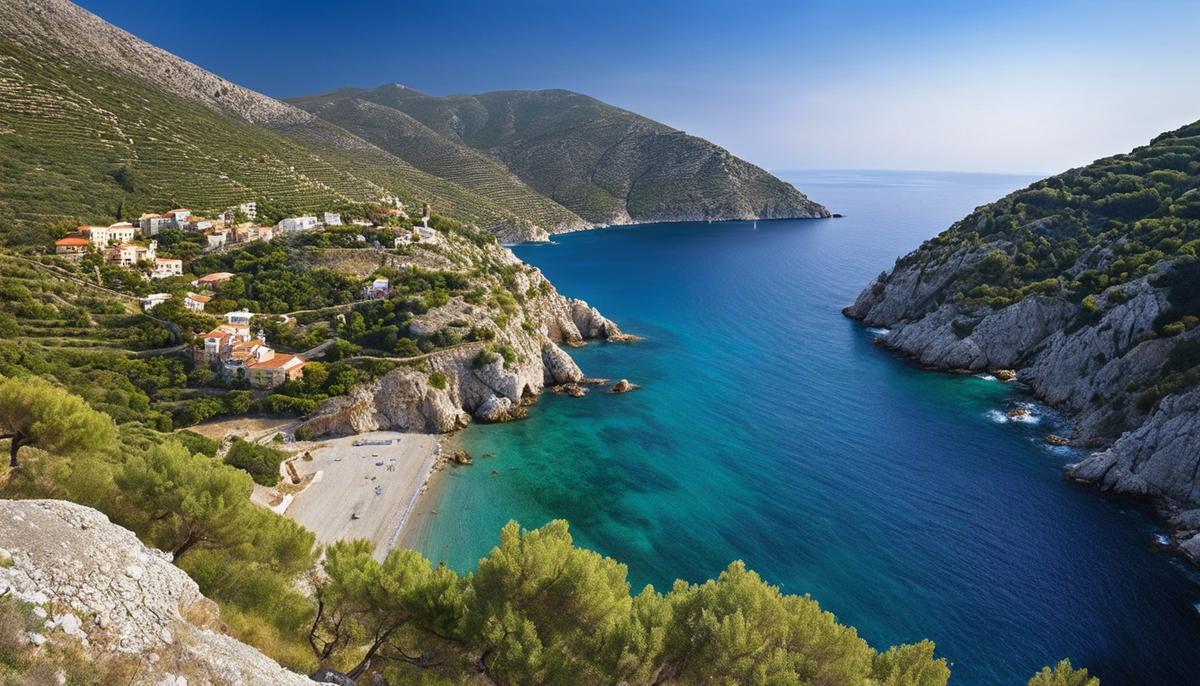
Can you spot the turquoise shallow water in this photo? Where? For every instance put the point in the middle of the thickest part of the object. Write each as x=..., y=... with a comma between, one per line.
x=770, y=429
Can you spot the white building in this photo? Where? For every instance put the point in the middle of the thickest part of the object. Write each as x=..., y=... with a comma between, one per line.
x=298, y=223
x=128, y=254
x=196, y=302
x=250, y=209
x=154, y=300
x=150, y=224
x=332, y=219
x=238, y=317
x=165, y=267
x=104, y=236
x=217, y=239
x=178, y=218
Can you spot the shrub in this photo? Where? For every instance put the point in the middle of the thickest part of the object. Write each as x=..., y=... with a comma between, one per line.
x=196, y=443
x=483, y=358
x=438, y=380
x=259, y=461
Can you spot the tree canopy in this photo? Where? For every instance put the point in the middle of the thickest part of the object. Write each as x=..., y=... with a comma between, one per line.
x=34, y=412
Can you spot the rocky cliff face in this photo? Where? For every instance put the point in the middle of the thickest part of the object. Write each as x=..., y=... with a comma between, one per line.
x=1090, y=364
x=92, y=583
x=486, y=381
x=1088, y=284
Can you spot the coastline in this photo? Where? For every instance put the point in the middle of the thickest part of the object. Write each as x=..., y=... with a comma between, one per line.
x=1175, y=518
x=363, y=486
x=413, y=531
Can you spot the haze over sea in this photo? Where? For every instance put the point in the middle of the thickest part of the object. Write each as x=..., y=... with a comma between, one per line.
x=770, y=429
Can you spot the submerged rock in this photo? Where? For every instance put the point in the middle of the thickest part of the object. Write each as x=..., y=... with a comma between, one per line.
x=1055, y=439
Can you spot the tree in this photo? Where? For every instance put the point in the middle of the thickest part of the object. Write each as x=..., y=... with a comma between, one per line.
x=1063, y=675
x=259, y=461
x=546, y=611
x=198, y=502
x=34, y=412
x=364, y=601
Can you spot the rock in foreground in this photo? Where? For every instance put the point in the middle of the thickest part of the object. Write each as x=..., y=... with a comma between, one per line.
x=97, y=585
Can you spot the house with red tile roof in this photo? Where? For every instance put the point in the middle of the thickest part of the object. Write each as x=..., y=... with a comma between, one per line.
x=72, y=247
x=232, y=351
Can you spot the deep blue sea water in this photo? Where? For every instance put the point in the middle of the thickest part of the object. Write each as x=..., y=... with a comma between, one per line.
x=769, y=429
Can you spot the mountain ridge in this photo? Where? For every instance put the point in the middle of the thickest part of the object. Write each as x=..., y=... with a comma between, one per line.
x=99, y=124
x=604, y=163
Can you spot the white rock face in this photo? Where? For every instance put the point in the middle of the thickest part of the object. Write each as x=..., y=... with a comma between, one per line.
x=405, y=399
x=1083, y=364
x=69, y=556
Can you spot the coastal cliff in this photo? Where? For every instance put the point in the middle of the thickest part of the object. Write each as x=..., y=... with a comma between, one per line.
x=1087, y=285
x=524, y=320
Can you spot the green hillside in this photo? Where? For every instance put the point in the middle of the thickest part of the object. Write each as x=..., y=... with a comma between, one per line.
x=1084, y=230
x=79, y=143
x=413, y=141
x=601, y=162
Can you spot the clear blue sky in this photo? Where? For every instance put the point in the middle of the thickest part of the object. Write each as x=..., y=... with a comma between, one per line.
x=1019, y=86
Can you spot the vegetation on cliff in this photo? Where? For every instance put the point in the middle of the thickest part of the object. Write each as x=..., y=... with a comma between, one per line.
x=1085, y=230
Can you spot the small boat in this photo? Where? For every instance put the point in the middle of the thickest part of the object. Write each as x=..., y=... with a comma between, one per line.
x=353, y=515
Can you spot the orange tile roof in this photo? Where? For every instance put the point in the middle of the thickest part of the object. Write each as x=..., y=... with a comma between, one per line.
x=199, y=298
x=72, y=240
x=280, y=360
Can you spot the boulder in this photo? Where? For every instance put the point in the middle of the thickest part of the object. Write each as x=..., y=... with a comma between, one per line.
x=495, y=409
x=622, y=386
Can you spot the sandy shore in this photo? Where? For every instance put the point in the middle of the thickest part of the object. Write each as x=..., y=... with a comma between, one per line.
x=368, y=490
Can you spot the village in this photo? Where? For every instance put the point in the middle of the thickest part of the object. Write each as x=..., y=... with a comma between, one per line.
x=234, y=352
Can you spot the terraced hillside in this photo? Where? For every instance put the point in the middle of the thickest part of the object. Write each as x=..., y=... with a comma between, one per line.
x=605, y=164
x=132, y=127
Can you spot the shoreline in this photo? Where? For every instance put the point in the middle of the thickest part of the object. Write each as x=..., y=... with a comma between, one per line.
x=362, y=486
x=413, y=532
x=1166, y=510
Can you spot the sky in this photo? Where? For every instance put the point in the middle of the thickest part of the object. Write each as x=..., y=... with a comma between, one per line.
x=1002, y=86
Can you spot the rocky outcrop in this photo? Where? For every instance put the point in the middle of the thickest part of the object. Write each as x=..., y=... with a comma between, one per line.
x=1091, y=363
x=487, y=381
x=95, y=584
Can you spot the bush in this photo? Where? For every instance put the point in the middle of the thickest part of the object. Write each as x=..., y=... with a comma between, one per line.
x=196, y=443
x=259, y=461
x=483, y=358
x=438, y=380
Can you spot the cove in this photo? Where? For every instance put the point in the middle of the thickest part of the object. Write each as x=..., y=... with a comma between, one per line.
x=770, y=429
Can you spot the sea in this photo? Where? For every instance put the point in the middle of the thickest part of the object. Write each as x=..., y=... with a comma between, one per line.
x=768, y=428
